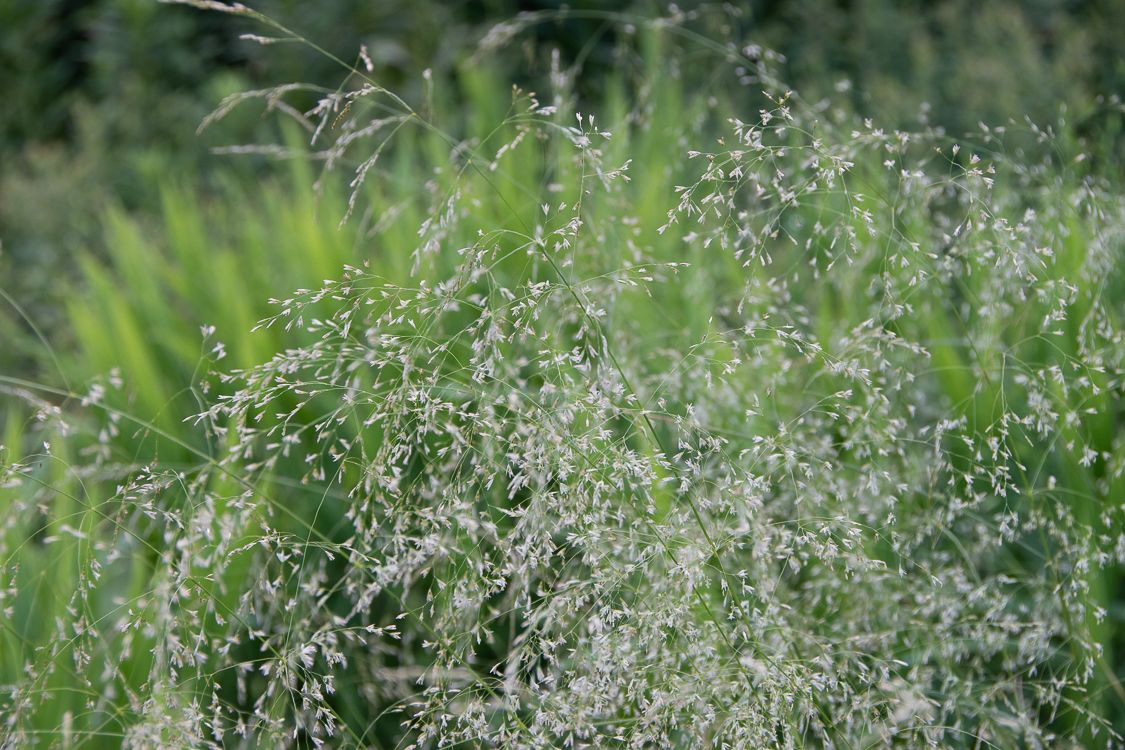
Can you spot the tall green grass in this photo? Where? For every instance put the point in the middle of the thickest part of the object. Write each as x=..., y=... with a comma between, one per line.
x=217, y=260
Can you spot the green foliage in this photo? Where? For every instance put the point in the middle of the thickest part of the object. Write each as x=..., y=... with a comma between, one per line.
x=927, y=377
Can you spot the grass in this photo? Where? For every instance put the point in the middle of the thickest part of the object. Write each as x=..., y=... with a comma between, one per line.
x=672, y=431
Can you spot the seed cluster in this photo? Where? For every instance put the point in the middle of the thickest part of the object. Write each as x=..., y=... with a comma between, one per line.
x=829, y=458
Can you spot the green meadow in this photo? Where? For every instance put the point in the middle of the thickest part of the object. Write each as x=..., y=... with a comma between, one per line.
x=546, y=377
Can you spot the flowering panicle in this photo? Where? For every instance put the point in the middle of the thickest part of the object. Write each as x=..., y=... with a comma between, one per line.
x=826, y=458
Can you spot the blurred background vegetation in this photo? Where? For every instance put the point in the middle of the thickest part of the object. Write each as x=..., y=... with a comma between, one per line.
x=102, y=97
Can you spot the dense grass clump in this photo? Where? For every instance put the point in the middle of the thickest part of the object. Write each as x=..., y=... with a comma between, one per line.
x=718, y=418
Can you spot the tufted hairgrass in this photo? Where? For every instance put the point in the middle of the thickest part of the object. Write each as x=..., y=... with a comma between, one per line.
x=719, y=419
